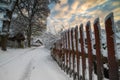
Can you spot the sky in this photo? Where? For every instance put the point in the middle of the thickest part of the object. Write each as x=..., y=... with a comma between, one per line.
x=70, y=13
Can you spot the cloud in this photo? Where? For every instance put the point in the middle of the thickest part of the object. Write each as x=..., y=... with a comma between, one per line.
x=75, y=5
x=117, y=14
x=72, y=12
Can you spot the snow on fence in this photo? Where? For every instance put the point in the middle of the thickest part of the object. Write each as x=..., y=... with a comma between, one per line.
x=71, y=55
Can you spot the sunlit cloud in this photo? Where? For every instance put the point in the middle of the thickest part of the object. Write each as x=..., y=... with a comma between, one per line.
x=64, y=2
x=75, y=5
x=75, y=12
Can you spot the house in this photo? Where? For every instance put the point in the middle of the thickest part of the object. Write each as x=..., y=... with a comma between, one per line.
x=16, y=40
x=37, y=43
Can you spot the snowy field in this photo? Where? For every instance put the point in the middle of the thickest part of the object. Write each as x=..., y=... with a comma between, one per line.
x=29, y=64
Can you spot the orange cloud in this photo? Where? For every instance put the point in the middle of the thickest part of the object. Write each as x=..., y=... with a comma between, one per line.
x=79, y=8
x=75, y=5
x=116, y=14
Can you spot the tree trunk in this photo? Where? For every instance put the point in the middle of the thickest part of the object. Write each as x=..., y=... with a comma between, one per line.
x=3, y=42
x=19, y=44
x=29, y=32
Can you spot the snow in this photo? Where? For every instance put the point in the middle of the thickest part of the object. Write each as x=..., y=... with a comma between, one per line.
x=3, y=6
x=2, y=15
x=48, y=39
x=1, y=23
x=29, y=64
x=8, y=6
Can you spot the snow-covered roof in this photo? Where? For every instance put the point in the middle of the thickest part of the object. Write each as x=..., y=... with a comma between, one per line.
x=3, y=16
x=3, y=6
x=8, y=6
x=1, y=24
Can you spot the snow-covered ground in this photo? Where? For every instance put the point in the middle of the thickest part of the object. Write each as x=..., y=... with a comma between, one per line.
x=29, y=64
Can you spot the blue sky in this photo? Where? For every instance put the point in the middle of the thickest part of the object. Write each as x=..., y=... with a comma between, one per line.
x=75, y=12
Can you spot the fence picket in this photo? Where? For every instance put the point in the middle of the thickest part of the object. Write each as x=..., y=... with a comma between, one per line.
x=67, y=55
x=73, y=53
x=98, y=49
x=110, y=35
x=71, y=33
x=63, y=52
x=89, y=44
x=77, y=54
x=66, y=50
x=82, y=51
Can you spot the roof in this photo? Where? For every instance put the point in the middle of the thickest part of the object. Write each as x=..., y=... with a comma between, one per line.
x=38, y=41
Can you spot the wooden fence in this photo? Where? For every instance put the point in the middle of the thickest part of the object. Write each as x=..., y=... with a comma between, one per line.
x=79, y=58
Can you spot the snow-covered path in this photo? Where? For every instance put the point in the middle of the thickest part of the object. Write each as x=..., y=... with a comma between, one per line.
x=29, y=64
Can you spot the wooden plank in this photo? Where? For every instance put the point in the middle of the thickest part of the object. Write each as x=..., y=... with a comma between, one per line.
x=64, y=45
x=61, y=53
x=69, y=53
x=112, y=60
x=82, y=51
x=98, y=49
x=66, y=51
x=63, y=56
x=73, y=52
x=77, y=54
x=90, y=55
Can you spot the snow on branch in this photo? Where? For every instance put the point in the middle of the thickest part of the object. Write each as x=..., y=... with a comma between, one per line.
x=8, y=6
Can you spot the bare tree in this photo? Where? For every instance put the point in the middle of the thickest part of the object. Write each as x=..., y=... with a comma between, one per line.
x=35, y=12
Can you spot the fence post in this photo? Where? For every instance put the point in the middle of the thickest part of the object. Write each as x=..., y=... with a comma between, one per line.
x=55, y=51
x=77, y=54
x=90, y=56
x=59, y=53
x=82, y=51
x=66, y=51
x=62, y=50
x=110, y=35
x=98, y=49
x=73, y=52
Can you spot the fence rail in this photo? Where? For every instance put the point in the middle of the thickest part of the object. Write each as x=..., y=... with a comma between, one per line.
x=78, y=56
